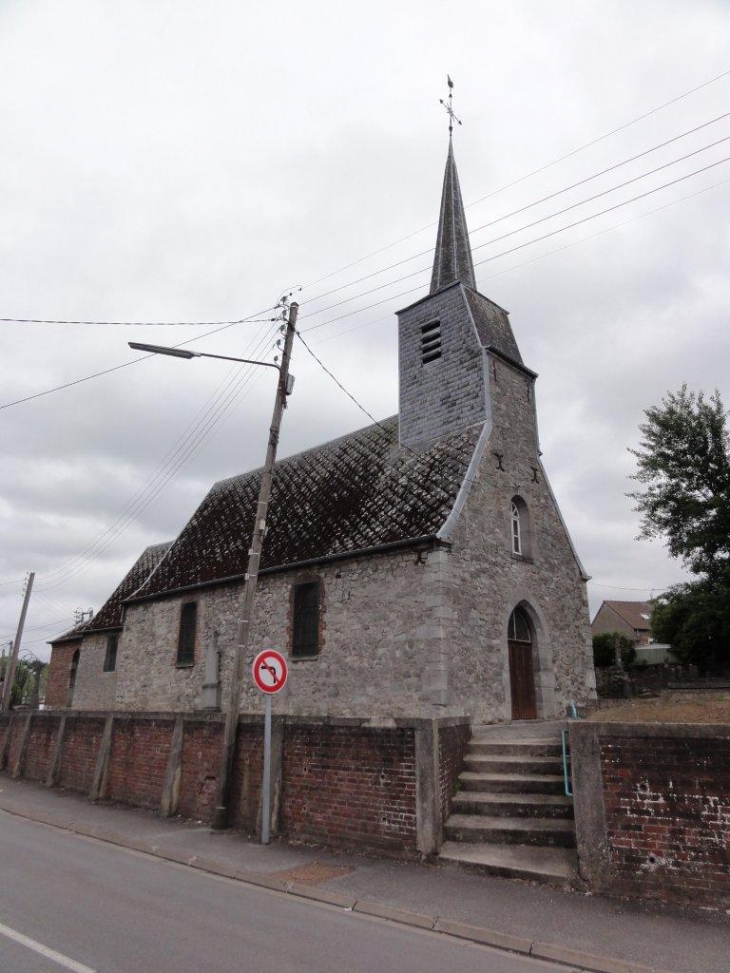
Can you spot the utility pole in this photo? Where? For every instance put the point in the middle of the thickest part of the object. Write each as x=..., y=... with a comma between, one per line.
x=13, y=660
x=220, y=818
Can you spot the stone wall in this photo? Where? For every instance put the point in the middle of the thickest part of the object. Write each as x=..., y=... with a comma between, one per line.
x=486, y=581
x=380, y=614
x=94, y=689
x=336, y=781
x=448, y=394
x=652, y=809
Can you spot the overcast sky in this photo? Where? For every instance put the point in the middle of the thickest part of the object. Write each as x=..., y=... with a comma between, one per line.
x=190, y=161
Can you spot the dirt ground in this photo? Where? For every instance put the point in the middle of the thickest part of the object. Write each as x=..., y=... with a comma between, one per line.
x=669, y=707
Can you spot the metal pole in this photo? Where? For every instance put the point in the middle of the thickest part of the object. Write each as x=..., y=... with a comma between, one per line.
x=13, y=660
x=267, y=774
x=220, y=818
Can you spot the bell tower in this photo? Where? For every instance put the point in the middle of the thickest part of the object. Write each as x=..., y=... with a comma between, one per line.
x=444, y=338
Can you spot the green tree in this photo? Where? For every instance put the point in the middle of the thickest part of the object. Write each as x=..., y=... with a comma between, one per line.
x=694, y=618
x=684, y=469
x=604, y=649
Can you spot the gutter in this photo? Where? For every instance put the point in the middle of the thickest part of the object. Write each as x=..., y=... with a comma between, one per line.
x=294, y=566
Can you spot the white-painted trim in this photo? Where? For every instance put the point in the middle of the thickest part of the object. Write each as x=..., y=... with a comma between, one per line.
x=449, y=524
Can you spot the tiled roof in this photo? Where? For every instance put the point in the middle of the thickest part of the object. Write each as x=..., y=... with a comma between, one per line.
x=637, y=614
x=110, y=614
x=452, y=258
x=492, y=324
x=354, y=493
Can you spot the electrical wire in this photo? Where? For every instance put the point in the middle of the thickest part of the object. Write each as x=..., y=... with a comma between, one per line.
x=537, y=202
x=521, y=246
x=189, y=445
x=529, y=175
x=253, y=319
x=142, y=324
x=115, y=368
x=528, y=226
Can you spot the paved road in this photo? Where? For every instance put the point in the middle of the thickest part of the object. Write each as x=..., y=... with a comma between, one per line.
x=72, y=903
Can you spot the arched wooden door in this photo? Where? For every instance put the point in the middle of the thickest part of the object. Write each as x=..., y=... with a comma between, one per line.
x=521, y=672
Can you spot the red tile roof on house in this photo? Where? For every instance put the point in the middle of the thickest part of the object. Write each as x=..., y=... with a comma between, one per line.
x=637, y=614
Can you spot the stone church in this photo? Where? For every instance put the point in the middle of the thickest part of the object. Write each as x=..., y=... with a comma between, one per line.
x=418, y=567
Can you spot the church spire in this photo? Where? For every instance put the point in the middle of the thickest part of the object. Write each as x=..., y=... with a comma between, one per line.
x=452, y=259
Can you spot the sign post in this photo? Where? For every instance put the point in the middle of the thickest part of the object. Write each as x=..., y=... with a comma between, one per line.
x=270, y=673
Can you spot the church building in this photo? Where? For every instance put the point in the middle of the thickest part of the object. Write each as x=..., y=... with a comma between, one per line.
x=418, y=567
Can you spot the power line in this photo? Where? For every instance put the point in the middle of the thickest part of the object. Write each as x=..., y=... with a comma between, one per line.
x=529, y=175
x=601, y=138
x=618, y=587
x=36, y=628
x=186, y=447
x=521, y=246
x=527, y=226
x=115, y=368
x=17, y=581
x=139, y=324
x=537, y=202
x=398, y=263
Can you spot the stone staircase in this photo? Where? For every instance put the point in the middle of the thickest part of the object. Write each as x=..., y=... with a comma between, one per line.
x=510, y=816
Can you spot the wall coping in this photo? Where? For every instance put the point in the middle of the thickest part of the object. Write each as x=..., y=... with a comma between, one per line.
x=375, y=724
x=674, y=731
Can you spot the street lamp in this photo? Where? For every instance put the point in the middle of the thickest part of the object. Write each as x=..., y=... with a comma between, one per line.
x=284, y=388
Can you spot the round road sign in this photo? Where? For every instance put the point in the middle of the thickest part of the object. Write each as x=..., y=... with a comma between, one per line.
x=270, y=671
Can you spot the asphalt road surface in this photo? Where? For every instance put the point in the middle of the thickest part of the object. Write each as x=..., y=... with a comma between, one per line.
x=72, y=903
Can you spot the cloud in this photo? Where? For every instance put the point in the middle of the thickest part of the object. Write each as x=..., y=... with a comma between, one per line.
x=173, y=163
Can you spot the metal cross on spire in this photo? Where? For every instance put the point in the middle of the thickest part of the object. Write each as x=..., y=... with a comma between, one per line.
x=449, y=108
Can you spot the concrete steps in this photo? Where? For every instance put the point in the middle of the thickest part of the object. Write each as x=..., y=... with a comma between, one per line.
x=551, y=866
x=511, y=816
x=512, y=805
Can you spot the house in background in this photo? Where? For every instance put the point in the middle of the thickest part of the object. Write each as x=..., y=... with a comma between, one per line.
x=419, y=567
x=631, y=618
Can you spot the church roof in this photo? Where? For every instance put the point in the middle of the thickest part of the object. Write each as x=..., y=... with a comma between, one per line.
x=109, y=615
x=353, y=494
x=452, y=259
x=492, y=324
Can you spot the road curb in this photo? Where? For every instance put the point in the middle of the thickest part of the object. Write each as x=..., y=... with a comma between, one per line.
x=438, y=924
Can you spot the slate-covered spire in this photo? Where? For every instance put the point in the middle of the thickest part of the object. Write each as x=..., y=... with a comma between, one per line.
x=452, y=260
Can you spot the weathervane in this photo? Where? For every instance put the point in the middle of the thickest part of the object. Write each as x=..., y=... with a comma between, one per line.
x=449, y=108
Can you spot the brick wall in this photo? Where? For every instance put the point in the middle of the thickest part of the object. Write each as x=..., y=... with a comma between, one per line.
x=452, y=747
x=138, y=761
x=59, y=673
x=200, y=763
x=80, y=749
x=350, y=784
x=337, y=782
x=39, y=748
x=653, y=811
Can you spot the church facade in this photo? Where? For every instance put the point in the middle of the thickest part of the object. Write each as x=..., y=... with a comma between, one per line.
x=419, y=567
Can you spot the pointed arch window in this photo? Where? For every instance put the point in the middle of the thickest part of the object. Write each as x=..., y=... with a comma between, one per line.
x=520, y=528
x=516, y=528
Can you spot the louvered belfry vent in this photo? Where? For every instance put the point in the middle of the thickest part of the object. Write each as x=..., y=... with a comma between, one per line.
x=430, y=342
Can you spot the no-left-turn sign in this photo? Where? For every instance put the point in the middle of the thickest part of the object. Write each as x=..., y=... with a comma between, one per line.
x=270, y=671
